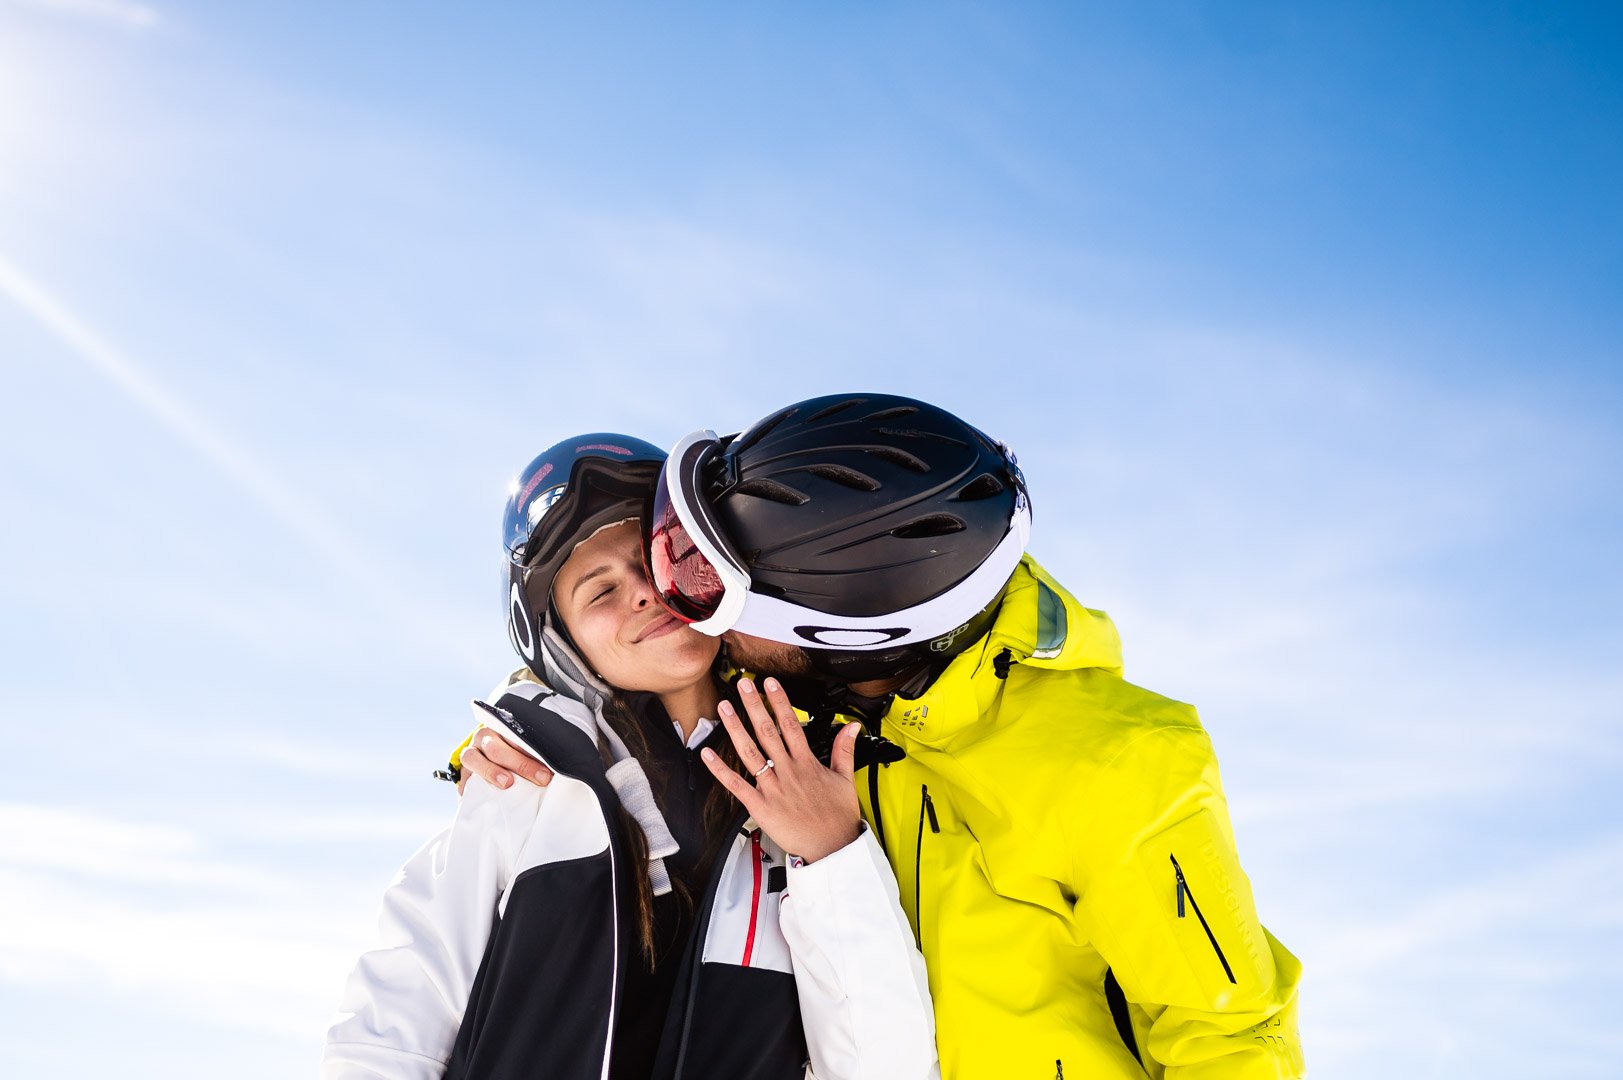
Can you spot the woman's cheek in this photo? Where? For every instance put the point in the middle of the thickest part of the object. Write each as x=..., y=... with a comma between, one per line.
x=596, y=640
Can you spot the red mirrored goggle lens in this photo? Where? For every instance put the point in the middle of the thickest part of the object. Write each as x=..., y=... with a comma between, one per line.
x=683, y=579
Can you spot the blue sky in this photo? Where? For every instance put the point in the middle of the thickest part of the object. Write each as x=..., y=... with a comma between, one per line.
x=1303, y=318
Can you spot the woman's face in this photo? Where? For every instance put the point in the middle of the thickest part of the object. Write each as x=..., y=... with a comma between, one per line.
x=620, y=629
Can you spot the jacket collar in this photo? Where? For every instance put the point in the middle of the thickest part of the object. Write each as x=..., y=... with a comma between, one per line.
x=1040, y=625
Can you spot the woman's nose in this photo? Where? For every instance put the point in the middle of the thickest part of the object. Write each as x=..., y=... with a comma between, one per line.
x=642, y=593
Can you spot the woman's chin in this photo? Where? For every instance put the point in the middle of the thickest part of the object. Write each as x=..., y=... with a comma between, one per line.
x=691, y=654
x=668, y=663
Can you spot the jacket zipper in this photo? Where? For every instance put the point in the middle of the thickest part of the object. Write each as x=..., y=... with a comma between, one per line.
x=701, y=928
x=1183, y=893
x=755, y=895
x=926, y=810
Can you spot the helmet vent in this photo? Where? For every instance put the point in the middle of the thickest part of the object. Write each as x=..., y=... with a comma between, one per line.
x=983, y=486
x=759, y=431
x=918, y=433
x=839, y=406
x=773, y=491
x=899, y=457
x=892, y=413
x=850, y=478
x=925, y=527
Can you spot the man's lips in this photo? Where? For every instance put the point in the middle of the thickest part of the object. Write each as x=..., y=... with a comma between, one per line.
x=658, y=628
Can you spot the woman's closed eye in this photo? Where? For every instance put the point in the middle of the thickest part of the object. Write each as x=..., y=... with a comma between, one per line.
x=600, y=594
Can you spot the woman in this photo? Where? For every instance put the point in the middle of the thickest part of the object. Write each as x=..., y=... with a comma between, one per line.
x=637, y=917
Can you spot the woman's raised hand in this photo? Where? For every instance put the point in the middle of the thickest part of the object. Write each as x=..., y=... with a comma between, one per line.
x=807, y=808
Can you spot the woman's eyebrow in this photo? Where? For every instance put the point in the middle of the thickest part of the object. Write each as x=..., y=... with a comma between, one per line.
x=602, y=568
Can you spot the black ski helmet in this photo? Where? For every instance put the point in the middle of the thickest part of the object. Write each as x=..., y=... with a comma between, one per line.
x=861, y=505
x=570, y=491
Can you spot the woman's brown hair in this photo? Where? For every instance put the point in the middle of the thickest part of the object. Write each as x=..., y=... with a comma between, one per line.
x=720, y=811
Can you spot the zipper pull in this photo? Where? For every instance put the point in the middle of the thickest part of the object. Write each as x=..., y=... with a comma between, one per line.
x=929, y=809
x=1183, y=886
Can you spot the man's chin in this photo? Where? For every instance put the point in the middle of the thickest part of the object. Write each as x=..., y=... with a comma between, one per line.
x=767, y=657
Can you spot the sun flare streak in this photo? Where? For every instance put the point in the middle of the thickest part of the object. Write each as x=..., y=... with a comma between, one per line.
x=300, y=516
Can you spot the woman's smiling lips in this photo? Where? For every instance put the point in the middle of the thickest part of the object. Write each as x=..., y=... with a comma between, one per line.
x=658, y=628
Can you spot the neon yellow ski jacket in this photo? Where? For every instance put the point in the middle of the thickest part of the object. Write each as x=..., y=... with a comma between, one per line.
x=1064, y=854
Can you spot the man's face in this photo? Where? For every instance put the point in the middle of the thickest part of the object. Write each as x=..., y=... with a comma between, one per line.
x=767, y=657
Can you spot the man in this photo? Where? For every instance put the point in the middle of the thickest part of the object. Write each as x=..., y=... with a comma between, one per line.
x=1059, y=835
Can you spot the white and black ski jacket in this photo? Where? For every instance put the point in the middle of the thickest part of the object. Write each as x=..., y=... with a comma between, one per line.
x=506, y=939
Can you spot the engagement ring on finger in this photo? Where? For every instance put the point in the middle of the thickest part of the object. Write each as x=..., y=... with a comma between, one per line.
x=764, y=768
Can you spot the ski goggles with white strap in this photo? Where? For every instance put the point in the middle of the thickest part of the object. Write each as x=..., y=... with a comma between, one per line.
x=699, y=577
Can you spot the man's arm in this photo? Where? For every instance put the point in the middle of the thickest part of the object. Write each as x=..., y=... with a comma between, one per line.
x=1212, y=995
x=492, y=758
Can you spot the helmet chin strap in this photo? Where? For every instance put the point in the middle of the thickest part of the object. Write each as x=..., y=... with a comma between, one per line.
x=856, y=667
x=567, y=673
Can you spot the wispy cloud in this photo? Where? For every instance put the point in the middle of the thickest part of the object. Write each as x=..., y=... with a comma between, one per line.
x=1574, y=889
x=119, y=12
x=359, y=563
x=98, y=902
x=1474, y=961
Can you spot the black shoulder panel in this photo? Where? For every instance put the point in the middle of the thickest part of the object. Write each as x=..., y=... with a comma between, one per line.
x=539, y=1002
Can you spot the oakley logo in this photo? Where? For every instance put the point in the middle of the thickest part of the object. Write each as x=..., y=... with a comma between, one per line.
x=518, y=618
x=848, y=639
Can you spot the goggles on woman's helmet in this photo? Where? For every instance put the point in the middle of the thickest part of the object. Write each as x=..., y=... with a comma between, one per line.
x=562, y=497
